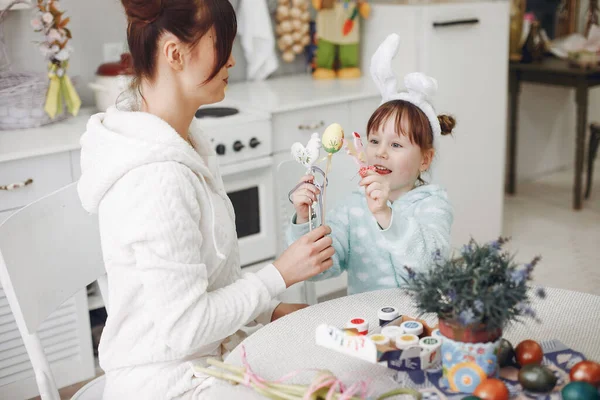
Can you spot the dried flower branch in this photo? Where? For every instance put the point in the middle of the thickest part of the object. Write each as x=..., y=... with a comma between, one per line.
x=484, y=286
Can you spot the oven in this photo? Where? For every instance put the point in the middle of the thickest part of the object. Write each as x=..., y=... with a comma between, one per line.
x=250, y=187
x=243, y=143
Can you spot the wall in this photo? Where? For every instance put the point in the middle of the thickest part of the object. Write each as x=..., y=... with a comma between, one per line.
x=94, y=23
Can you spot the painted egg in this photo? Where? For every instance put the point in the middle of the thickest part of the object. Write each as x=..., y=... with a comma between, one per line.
x=580, y=391
x=506, y=354
x=537, y=379
x=586, y=371
x=492, y=389
x=529, y=352
x=333, y=138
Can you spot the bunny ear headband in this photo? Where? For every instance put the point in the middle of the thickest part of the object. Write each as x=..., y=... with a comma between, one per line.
x=420, y=87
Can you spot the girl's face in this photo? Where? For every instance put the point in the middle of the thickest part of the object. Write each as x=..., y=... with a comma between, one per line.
x=199, y=62
x=395, y=157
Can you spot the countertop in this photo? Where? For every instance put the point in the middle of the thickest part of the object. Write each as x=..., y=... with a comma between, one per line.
x=268, y=97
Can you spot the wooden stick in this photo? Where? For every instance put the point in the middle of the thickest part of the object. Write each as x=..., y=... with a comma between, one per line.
x=325, y=188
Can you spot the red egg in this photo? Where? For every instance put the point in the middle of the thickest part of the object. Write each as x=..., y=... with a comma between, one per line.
x=586, y=371
x=529, y=352
x=492, y=389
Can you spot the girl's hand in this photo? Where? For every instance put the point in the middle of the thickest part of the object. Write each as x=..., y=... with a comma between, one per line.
x=303, y=197
x=377, y=190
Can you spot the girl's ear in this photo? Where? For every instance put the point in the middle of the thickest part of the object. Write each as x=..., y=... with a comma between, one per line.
x=427, y=159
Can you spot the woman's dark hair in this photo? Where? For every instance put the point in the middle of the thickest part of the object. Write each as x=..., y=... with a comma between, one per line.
x=189, y=20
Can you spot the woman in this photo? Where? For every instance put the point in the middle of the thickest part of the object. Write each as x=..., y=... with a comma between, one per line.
x=176, y=292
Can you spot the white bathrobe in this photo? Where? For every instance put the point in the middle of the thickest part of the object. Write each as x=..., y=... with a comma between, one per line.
x=176, y=291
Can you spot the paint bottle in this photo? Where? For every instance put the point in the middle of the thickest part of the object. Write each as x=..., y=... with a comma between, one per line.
x=387, y=314
x=429, y=344
x=360, y=324
x=406, y=340
x=391, y=332
x=380, y=339
x=437, y=334
x=412, y=327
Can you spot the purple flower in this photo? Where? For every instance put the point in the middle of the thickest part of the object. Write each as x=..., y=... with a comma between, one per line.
x=437, y=255
x=496, y=245
x=452, y=295
x=517, y=276
x=478, y=304
x=411, y=272
x=526, y=310
x=467, y=317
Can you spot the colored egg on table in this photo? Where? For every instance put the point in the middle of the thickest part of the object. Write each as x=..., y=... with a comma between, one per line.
x=586, y=371
x=580, y=391
x=529, y=352
x=506, y=354
x=492, y=389
x=537, y=378
x=333, y=138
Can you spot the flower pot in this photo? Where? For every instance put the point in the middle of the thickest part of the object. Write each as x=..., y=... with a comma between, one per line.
x=468, y=334
x=469, y=355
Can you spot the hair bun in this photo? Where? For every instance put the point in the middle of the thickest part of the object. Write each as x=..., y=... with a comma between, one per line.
x=146, y=11
x=447, y=123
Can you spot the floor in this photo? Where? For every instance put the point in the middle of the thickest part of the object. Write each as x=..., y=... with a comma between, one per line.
x=540, y=221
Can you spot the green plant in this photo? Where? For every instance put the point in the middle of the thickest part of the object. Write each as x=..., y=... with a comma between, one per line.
x=484, y=286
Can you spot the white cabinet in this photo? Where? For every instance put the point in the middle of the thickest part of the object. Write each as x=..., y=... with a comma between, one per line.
x=464, y=46
x=46, y=174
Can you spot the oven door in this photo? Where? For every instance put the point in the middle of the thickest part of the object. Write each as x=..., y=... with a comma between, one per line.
x=250, y=188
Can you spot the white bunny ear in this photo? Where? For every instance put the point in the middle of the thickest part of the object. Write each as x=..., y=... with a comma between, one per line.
x=381, y=66
x=421, y=85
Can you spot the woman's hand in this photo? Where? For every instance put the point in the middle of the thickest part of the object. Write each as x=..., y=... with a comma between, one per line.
x=306, y=257
x=377, y=191
x=304, y=197
x=284, y=309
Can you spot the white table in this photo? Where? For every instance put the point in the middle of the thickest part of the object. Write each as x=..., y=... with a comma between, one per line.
x=289, y=343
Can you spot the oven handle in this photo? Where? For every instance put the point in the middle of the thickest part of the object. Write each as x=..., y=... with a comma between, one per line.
x=246, y=166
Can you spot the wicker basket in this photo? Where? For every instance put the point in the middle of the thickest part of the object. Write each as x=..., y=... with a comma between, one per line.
x=22, y=94
x=22, y=100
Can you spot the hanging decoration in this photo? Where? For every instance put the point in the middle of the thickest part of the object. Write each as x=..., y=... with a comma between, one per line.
x=51, y=23
x=292, y=28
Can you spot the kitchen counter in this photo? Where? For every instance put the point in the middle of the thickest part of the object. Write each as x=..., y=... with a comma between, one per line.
x=286, y=93
x=48, y=139
x=300, y=91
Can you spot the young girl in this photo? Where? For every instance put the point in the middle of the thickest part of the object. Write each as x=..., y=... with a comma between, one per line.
x=176, y=290
x=396, y=220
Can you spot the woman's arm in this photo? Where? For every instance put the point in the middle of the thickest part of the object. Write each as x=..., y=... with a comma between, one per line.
x=161, y=205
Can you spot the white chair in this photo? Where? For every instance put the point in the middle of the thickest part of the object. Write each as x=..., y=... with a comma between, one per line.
x=49, y=252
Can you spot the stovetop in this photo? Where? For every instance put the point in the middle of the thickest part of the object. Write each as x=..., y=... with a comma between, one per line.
x=237, y=133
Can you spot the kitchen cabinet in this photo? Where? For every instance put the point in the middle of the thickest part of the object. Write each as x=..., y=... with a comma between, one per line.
x=464, y=45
